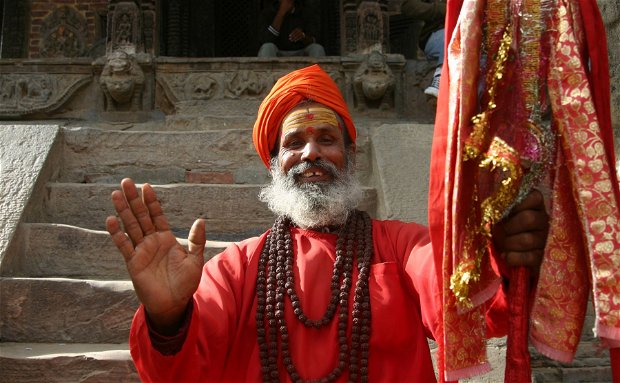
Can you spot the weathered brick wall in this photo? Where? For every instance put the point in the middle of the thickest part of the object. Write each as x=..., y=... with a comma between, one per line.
x=89, y=10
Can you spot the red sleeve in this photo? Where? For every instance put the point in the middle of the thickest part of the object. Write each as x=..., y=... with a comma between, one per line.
x=197, y=353
x=171, y=344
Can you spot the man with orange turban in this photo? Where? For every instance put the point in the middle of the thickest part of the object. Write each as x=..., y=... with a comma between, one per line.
x=327, y=294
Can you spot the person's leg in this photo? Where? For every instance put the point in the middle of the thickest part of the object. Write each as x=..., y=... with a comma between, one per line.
x=434, y=50
x=268, y=50
x=314, y=50
x=299, y=52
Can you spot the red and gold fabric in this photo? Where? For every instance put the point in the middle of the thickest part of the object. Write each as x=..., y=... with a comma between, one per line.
x=524, y=102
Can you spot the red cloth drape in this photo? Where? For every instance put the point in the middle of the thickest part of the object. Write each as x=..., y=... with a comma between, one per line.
x=442, y=199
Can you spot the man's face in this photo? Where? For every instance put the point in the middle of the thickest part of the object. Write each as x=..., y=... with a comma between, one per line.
x=312, y=177
x=311, y=132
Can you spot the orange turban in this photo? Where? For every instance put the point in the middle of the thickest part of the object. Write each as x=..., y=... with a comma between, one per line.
x=311, y=83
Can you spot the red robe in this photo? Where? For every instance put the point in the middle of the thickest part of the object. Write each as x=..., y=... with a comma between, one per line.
x=221, y=345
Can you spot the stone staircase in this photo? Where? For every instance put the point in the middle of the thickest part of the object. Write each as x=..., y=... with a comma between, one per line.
x=66, y=301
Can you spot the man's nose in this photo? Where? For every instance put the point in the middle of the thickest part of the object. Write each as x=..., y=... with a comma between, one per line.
x=311, y=152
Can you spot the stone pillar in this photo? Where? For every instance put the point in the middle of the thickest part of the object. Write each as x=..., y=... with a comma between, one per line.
x=348, y=27
x=149, y=25
x=610, y=11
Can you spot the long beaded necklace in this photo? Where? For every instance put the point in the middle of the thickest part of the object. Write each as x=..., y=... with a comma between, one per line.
x=275, y=280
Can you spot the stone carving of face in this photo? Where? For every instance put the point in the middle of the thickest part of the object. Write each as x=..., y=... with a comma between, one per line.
x=119, y=62
x=121, y=89
x=120, y=83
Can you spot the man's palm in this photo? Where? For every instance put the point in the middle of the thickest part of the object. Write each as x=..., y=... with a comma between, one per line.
x=164, y=274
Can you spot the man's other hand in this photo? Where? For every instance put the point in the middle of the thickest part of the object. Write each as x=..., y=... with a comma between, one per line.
x=521, y=237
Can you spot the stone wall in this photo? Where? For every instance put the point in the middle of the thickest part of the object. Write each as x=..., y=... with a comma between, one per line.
x=24, y=150
x=67, y=28
x=611, y=17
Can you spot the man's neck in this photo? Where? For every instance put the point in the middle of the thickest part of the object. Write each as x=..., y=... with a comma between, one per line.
x=321, y=229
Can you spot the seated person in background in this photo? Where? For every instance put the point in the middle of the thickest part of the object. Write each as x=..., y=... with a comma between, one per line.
x=433, y=13
x=287, y=29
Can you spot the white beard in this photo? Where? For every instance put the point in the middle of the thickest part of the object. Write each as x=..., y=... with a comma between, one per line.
x=313, y=205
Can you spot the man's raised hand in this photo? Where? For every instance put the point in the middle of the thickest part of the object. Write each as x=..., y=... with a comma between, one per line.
x=165, y=275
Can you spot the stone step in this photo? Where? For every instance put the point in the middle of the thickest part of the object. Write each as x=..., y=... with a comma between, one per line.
x=53, y=310
x=217, y=157
x=103, y=156
x=589, y=354
x=194, y=118
x=54, y=250
x=227, y=209
x=572, y=375
x=62, y=363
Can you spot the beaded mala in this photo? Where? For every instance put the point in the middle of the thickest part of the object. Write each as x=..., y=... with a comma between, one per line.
x=275, y=280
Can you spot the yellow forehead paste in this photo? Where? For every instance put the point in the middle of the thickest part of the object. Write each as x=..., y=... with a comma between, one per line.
x=309, y=118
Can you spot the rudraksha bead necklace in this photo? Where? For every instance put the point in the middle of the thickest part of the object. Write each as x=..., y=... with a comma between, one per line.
x=275, y=280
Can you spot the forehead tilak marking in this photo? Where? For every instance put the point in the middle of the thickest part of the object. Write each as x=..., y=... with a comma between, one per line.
x=310, y=117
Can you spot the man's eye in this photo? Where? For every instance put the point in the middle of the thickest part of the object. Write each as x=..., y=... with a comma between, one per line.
x=294, y=144
x=326, y=140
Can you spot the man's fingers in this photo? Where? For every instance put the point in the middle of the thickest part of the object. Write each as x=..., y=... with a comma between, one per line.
x=130, y=223
x=154, y=207
x=526, y=220
x=530, y=259
x=197, y=238
x=533, y=201
x=119, y=238
x=525, y=241
x=137, y=206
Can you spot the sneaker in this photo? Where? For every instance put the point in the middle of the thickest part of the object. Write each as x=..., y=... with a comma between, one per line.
x=433, y=89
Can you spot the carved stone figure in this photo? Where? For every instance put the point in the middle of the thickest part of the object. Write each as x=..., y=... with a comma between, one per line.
x=200, y=86
x=244, y=82
x=122, y=82
x=370, y=26
x=123, y=30
x=373, y=83
x=125, y=26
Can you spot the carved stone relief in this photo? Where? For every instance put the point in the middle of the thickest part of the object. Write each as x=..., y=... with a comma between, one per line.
x=63, y=33
x=373, y=83
x=27, y=93
x=244, y=82
x=122, y=82
x=215, y=85
x=233, y=84
x=200, y=87
x=126, y=28
x=370, y=26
